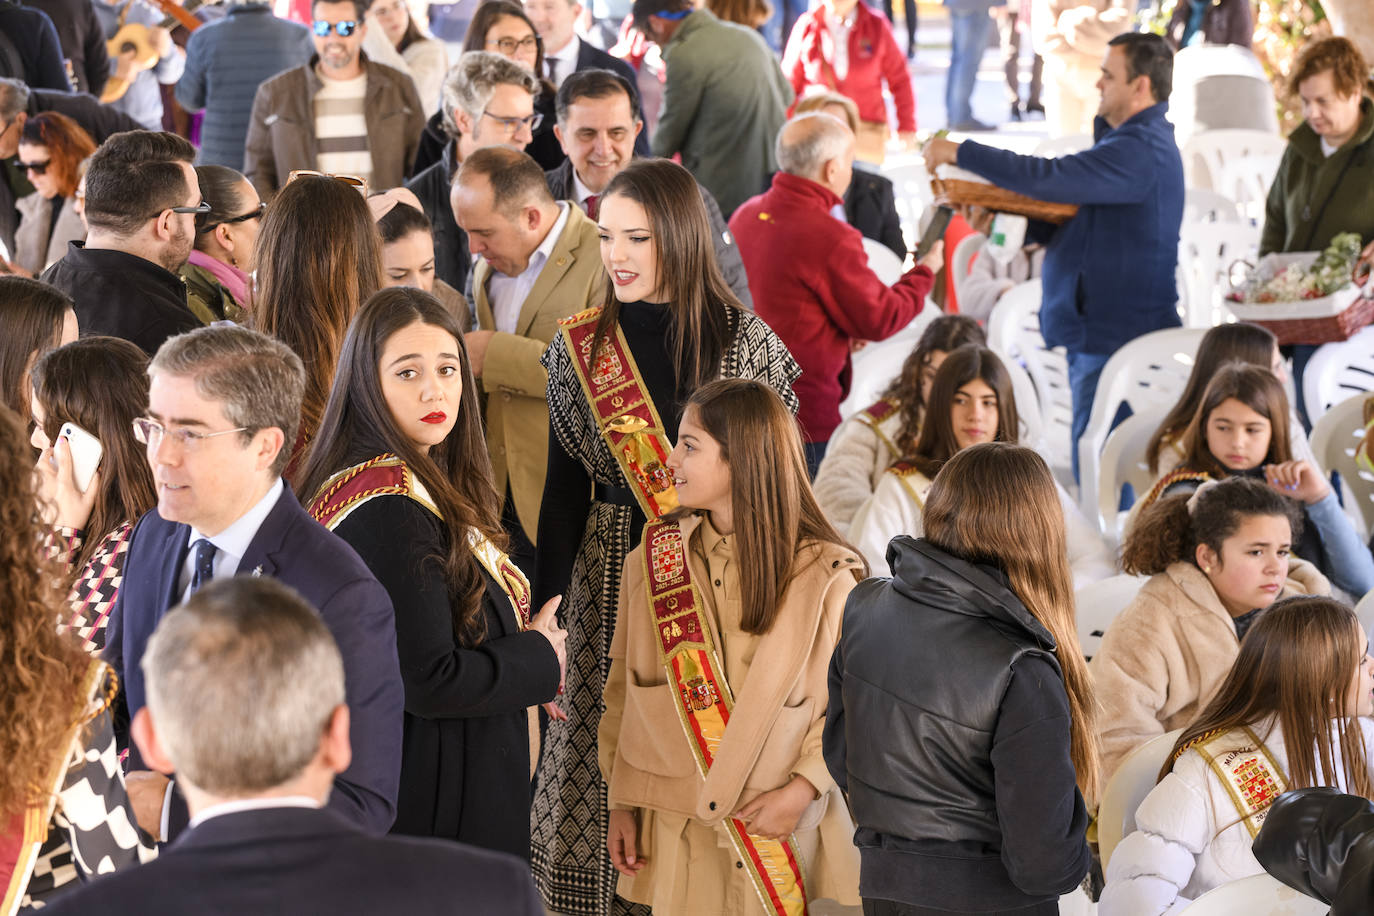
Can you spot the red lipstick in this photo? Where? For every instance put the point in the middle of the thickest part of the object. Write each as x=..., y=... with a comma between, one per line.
x=437, y=417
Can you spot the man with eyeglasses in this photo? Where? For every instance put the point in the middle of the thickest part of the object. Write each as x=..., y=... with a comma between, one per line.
x=142, y=197
x=341, y=113
x=488, y=101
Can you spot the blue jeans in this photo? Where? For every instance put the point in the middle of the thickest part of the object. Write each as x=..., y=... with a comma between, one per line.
x=969, y=32
x=778, y=28
x=1084, y=371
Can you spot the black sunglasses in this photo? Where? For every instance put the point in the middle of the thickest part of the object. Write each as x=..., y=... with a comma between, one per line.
x=255, y=213
x=38, y=168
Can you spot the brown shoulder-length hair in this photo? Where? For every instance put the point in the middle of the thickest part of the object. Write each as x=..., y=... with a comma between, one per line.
x=1256, y=388
x=488, y=12
x=318, y=259
x=997, y=502
x=39, y=669
x=1294, y=670
x=457, y=472
x=775, y=513
x=1338, y=54
x=1241, y=342
x=937, y=443
x=68, y=145
x=101, y=385
x=31, y=316
x=700, y=301
x=945, y=334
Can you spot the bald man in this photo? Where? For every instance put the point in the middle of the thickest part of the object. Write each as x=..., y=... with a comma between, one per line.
x=809, y=275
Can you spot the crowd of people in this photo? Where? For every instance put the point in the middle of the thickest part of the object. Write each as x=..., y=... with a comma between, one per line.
x=426, y=487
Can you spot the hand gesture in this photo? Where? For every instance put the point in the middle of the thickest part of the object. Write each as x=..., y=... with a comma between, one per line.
x=1297, y=479
x=774, y=815
x=622, y=838
x=940, y=151
x=935, y=257
x=65, y=506
x=545, y=623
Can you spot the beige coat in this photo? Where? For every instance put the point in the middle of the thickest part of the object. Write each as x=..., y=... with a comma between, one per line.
x=35, y=249
x=1163, y=658
x=571, y=281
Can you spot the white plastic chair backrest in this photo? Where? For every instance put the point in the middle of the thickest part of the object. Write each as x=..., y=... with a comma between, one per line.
x=1135, y=776
x=1067, y=145
x=1365, y=611
x=1204, y=154
x=879, y=363
x=1203, y=206
x=1334, y=437
x=883, y=261
x=1338, y=370
x=1220, y=86
x=911, y=189
x=1257, y=895
x=962, y=260
x=1123, y=462
x=1206, y=252
x=1246, y=180
x=1096, y=606
x=1027, y=405
x=1148, y=373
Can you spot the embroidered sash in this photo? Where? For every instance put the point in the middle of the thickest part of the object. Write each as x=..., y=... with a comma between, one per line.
x=387, y=475
x=688, y=652
x=1167, y=481
x=625, y=413
x=1252, y=777
x=918, y=491
x=874, y=415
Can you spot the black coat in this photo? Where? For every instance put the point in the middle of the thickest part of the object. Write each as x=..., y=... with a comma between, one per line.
x=465, y=762
x=31, y=51
x=871, y=207
x=82, y=39
x=1321, y=842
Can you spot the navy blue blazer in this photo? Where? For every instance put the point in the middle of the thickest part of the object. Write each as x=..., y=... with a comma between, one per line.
x=298, y=551
x=286, y=861
x=590, y=57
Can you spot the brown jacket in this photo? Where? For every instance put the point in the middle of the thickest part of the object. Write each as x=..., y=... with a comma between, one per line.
x=1163, y=657
x=281, y=131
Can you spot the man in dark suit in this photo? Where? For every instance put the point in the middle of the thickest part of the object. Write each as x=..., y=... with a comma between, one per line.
x=223, y=407
x=246, y=705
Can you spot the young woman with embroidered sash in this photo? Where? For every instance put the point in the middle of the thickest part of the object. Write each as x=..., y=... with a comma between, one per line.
x=669, y=324
x=399, y=471
x=711, y=740
x=971, y=401
x=64, y=811
x=1241, y=429
x=1291, y=714
x=864, y=445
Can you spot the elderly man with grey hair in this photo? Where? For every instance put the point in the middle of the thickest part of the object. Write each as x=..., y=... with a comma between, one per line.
x=809, y=274
x=488, y=101
x=247, y=706
x=223, y=409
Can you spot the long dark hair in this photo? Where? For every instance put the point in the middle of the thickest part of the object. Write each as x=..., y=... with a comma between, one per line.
x=457, y=473
x=699, y=300
x=945, y=334
x=31, y=316
x=937, y=443
x=101, y=385
x=1257, y=389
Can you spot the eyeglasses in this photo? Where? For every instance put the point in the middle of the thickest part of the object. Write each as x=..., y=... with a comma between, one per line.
x=38, y=168
x=255, y=213
x=342, y=29
x=353, y=181
x=514, y=124
x=508, y=46
x=150, y=432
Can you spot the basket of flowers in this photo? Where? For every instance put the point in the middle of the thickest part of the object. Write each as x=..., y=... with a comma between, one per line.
x=1307, y=297
x=956, y=187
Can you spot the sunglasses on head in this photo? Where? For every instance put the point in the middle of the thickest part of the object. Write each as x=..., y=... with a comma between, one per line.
x=342, y=29
x=353, y=181
x=38, y=168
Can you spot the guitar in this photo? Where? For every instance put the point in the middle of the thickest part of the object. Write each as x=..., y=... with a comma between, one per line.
x=137, y=39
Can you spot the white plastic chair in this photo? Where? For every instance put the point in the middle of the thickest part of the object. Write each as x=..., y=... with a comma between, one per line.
x=962, y=260
x=1149, y=373
x=883, y=261
x=1206, y=153
x=1334, y=438
x=1027, y=405
x=1246, y=180
x=1206, y=252
x=1134, y=778
x=1365, y=611
x=1338, y=370
x=1257, y=895
x=911, y=188
x=879, y=363
x=1067, y=145
x=1096, y=606
x=1123, y=462
x=1203, y=206
x=1220, y=87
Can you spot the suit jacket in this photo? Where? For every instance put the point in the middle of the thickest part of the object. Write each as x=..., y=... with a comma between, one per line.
x=294, y=549
x=590, y=57
x=572, y=279
x=284, y=861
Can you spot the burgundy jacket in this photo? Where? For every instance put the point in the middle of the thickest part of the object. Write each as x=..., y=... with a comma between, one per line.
x=873, y=58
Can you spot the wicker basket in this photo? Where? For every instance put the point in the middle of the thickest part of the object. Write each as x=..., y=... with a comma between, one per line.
x=955, y=193
x=1315, y=330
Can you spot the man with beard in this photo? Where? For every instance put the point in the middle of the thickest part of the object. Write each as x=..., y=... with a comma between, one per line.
x=142, y=198
x=340, y=114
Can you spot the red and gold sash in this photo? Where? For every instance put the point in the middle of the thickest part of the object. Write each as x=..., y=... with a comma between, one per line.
x=1167, y=481
x=874, y=415
x=905, y=470
x=387, y=475
x=1252, y=777
x=624, y=411
x=687, y=650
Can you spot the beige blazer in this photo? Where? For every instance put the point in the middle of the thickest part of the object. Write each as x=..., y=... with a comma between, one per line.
x=572, y=280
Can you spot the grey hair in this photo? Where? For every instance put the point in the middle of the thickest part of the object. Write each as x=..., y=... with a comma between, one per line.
x=472, y=81
x=242, y=680
x=807, y=142
x=14, y=98
x=258, y=380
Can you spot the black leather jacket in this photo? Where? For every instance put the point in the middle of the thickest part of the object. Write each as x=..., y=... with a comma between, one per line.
x=1321, y=842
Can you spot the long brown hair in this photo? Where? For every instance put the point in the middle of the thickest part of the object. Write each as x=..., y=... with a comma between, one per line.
x=318, y=259
x=457, y=472
x=1257, y=389
x=775, y=513
x=937, y=443
x=487, y=15
x=997, y=502
x=945, y=334
x=1294, y=669
x=101, y=385
x=39, y=669
x=31, y=316
x=699, y=300
x=1241, y=342
x=67, y=142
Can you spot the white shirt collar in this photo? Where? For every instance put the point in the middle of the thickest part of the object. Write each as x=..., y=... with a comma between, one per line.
x=232, y=543
x=580, y=191
x=545, y=248
x=568, y=54
x=254, y=804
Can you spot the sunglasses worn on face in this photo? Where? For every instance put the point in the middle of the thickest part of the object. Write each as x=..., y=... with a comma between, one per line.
x=342, y=29
x=353, y=181
x=255, y=213
x=38, y=168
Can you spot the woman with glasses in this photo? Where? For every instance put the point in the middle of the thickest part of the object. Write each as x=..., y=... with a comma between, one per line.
x=394, y=38
x=502, y=27
x=219, y=272
x=51, y=148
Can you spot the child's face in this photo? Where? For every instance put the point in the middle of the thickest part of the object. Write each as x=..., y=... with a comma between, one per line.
x=1250, y=570
x=699, y=471
x=1237, y=435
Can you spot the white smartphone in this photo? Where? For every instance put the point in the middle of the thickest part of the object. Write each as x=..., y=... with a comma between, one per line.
x=86, y=452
